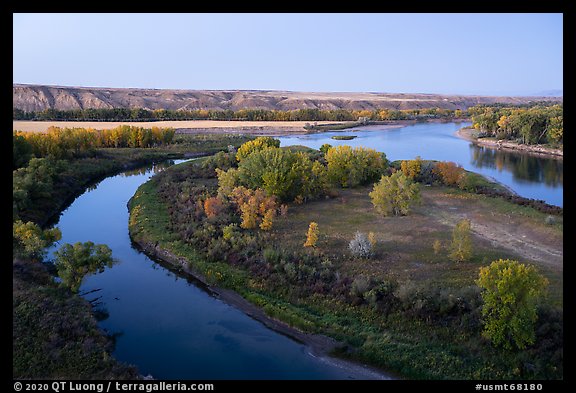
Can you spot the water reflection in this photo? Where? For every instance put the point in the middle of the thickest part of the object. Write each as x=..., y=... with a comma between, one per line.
x=156, y=168
x=524, y=167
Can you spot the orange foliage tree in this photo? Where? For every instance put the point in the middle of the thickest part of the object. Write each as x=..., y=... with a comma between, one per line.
x=255, y=207
x=450, y=172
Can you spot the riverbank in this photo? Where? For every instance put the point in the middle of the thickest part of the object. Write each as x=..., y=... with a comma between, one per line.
x=467, y=133
x=391, y=332
x=319, y=346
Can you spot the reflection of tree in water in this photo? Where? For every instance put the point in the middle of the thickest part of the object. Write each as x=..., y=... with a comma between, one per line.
x=523, y=167
x=158, y=167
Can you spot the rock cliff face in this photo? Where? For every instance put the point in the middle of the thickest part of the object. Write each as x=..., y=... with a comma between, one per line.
x=38, y=98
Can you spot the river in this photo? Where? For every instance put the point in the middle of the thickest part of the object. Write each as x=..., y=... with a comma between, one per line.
x=530, y=176
x=168, y=326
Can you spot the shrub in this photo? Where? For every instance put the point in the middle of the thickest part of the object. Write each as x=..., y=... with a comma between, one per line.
x=213, y=206
x=230, y=231
x=437, y=246
x=360, y=246
x=461, y=246
x=372, y=239
x=360, y=286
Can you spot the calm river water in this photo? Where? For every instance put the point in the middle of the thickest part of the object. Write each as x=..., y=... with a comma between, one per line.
x=167, y=325
x=530, y=176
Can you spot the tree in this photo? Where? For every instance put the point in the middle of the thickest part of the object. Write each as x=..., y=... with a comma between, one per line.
x=556, y=129
x=312, y=235
x=461, y=246
x=511, y=292
x=21, y=151
x=74, y=262
x=450, y=172
x=255, y=207
x=411, y=168
x=395, y=194
x=260, y=143
x=30, y=241
x=351, y=167
x=280, y=172
x=325, y=147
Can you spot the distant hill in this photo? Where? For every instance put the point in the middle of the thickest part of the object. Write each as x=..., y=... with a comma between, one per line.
x=38, y=98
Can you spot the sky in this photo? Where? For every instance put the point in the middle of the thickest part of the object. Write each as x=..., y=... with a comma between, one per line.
x=486, y=54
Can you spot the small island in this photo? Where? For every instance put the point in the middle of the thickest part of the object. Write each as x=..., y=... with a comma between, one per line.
x=343, y=137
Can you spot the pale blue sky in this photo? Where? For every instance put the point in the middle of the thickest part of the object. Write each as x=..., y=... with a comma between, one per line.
x=493, y=54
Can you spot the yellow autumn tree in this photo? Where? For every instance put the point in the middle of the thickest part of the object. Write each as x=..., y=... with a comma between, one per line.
x=312, y=235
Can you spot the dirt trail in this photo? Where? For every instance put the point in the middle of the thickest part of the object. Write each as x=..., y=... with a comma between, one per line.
x=524, y=240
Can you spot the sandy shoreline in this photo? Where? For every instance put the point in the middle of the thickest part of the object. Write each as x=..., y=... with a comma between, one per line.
x=466, y=133
x=219, y=126
x=319, y=345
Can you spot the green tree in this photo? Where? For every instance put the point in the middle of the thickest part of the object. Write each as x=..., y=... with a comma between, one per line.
x=511, y=292
x=395, y=194
x=260, y=143
x=325, y=147
x=21, y=151
x=461, y=246
x=30, y=241
x=351, y=167
x=74, y=262
x=280, y=172
x=556, y=129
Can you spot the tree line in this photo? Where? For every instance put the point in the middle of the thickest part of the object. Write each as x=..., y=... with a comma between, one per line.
x=540, y=124
x=307, y=114
x=67, y=142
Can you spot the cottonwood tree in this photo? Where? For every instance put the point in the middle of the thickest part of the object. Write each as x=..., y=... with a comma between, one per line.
x=411, y=168
x=74, y=262
x=395, y=195
x=30, y=241
x=511, y=291
x=351, y=167
x=258, y=144
x=450, y=172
